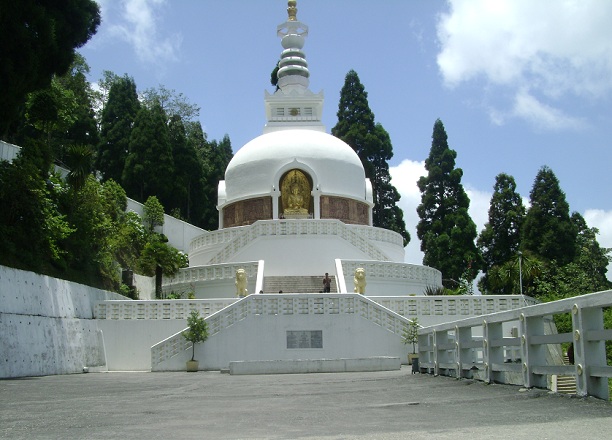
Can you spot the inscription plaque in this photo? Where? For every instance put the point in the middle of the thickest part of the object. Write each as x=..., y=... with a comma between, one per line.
x=304, y=338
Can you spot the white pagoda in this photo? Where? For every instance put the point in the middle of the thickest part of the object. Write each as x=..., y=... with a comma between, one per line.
x=296, y=204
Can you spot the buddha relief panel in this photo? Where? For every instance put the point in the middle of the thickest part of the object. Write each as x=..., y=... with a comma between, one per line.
x=246, y=212
x=346, y=210
x=296, y=199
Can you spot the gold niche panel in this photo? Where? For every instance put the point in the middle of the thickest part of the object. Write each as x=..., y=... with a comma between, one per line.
x=296, y=199
x=246, y=212
x=346, y=210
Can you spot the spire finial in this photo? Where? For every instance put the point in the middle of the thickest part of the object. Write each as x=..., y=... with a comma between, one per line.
x=292, y=10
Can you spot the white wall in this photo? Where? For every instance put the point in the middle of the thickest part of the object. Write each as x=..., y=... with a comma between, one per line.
x=47, y=325
x=128, y=342
x=295, y=255
x=178, y=232
x=263, y=337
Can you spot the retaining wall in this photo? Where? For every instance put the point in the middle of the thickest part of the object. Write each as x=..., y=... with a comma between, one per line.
x=47, y=325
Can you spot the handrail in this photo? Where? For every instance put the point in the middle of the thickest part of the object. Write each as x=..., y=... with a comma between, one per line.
x=453, y=349
x=287, y=304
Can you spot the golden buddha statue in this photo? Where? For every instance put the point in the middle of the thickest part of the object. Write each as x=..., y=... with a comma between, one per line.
x=295, y=190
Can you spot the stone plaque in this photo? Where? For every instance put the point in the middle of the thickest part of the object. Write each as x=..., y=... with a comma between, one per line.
x=304, y=338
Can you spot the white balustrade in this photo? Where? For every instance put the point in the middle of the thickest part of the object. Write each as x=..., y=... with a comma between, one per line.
x=455, y=349
x=244, y=235
x=169, y=309
x=424, y=275
x=414, y=306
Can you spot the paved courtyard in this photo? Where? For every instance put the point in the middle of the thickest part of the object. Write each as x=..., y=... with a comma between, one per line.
x=211, y=405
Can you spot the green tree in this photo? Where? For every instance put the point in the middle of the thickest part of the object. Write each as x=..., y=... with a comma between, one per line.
x=80, y=161
x=51, y=112
x=172, y=103
x=197, y=332
x=116, y=125
x=215, y=156
x=43, y=37
x=446, y=230
x=84, y=129
x=149, y=167
x=188, y=180
x=31, y=223
x=591, y=258
x=372, y=144
x=548, y=230
x=500, y=239
x=160, y=259
x=153, y=213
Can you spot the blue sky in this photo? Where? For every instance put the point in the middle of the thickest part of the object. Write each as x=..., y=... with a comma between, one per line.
x=518, y=84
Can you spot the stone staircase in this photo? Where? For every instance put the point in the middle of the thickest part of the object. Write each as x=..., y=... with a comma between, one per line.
x=566, y=384
x=297, y=284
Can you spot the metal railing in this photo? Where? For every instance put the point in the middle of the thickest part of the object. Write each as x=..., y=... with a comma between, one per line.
x=456, y=349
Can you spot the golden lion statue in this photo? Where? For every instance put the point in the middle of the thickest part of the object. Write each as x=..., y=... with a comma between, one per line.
x=241, y=283
x=360, y=280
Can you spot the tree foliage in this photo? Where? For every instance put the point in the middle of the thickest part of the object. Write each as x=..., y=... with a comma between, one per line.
x=446, y=230
x=149, y=166
x=116, y=125
x=371, y=142
x=39, y=39
x=548, y=230
x=500, y=239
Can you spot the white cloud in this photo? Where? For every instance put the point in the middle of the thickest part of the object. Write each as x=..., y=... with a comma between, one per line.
x=479, y=206
x=526, y=106
x=138, y=25
x=548, y=48
x=602, y=220
x=404, y=177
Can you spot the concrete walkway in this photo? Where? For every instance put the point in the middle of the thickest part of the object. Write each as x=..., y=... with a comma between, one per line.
x=211, y=405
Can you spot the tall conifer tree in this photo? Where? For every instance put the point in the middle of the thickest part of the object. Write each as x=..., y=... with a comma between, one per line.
x=372, y=144
x=149, y=167
x=500, y=239
x=116, y=127
x=548, y=230
x=446, y=230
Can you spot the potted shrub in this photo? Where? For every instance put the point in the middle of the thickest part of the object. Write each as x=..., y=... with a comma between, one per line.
x=197, y=332
x=411, y=336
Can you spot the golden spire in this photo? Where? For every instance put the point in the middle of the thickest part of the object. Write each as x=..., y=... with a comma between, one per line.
x=292, y=10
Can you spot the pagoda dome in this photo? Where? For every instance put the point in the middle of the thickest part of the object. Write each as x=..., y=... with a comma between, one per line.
x=332, y=165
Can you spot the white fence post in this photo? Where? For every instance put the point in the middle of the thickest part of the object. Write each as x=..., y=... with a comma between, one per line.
x=589, y=354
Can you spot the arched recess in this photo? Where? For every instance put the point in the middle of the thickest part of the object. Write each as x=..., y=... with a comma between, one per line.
x=296, y=195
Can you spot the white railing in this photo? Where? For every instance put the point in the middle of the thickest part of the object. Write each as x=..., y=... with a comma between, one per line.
x=452, y=349
x=410, y=306
x=266, y=228
x=191, y=275
x=423, y=275
x=286, y=304
x=452, y=306
x=378, y=234
x=213, y=238
x=170, y=309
